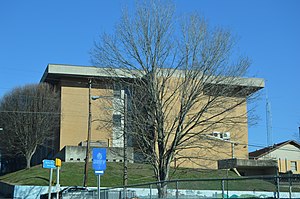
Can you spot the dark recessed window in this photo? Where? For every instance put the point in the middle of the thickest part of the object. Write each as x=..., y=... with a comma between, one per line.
x=117, y=120
x=117, y=93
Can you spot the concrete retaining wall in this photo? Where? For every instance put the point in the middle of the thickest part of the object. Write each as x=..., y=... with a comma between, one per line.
x=78, y=153
x=6, y=189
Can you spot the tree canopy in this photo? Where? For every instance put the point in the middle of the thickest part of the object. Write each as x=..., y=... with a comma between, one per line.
x=29, y=116
x=181, y=76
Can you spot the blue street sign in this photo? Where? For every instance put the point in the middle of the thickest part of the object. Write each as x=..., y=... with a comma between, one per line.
x=49, y=164
x=99, y=159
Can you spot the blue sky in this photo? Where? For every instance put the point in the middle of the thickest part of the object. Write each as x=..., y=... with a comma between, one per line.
x=35, y=33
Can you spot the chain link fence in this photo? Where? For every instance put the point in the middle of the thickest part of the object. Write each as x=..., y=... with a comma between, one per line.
x=242, y=187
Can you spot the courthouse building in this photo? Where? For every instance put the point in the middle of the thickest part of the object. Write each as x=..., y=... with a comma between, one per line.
x=78, y=84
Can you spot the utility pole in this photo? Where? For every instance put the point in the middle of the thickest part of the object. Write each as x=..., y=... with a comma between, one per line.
x=125, y=161
x=269, y=122
x=87, y=155
x=232, y=150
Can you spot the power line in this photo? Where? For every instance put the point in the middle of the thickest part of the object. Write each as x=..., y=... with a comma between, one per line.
x=30, y=112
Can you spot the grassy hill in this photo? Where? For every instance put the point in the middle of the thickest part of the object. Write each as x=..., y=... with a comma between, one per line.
x=72, y=174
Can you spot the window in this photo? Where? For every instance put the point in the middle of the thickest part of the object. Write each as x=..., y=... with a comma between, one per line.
x=117, y=93
x=293, y=166
x=116, y=120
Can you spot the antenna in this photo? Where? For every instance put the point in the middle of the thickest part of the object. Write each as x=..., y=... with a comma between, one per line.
x=269, y=121
x=298, y=129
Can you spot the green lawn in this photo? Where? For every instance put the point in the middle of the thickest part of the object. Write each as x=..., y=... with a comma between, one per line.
x=72, y=174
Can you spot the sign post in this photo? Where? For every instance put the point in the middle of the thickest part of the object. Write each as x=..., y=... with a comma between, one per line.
x=50, y=183
x=58, y=165
x=49, y=164
x=99, y=164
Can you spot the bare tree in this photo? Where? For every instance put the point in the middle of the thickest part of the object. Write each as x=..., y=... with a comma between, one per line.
x=30, y=117
x=182, y=81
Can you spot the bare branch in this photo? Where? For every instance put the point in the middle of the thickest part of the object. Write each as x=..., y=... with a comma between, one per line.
x=30, y=118
x=182, y=83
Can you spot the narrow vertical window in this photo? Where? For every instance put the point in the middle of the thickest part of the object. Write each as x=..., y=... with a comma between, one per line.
x=117, y=93
x=116, y=120
x=294, y=166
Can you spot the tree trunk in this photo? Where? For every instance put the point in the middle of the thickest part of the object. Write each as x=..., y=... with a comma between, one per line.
x=162, y=190
x=162, y=187
x=28, y=160
x=28, y=157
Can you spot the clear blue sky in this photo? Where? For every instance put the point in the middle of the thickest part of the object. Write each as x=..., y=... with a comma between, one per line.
x=35, y=33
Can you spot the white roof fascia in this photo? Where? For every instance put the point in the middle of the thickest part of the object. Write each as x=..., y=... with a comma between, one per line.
x=92, y=71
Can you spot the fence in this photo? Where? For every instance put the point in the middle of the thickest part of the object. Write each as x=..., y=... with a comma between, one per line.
x=108, y=194
x=242, y=187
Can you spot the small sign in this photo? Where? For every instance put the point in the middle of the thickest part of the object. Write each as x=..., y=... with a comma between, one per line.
x=99, y=159
x=49, y=164
x=57, y=162
x=99, y=172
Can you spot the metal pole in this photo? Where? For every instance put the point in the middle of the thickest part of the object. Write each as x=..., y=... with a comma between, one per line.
x=227, y=182
x=98, y=185
x=87, y=154
x=150, y=191
x=124, y=193
x=278, y=186
x=223, y=184
x=290, y=186
x=177, y=192
x=57, y=182
x=232, y=150
x=50, y=183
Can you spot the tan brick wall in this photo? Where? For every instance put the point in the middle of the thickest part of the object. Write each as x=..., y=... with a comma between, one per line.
x=205, y=152
x=210, y=150
x=74, y=109
x=74, y=126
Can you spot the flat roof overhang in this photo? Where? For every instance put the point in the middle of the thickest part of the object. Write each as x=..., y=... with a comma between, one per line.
x=55, y=72
x=246, y=86
x=233, y=86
